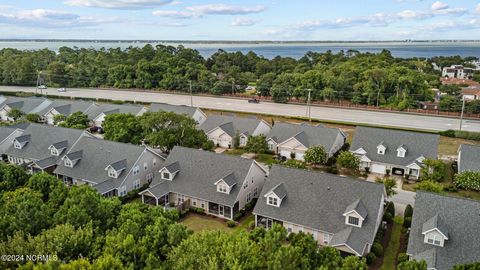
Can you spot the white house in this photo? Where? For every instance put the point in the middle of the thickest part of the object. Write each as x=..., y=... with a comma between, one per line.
x=457, y=71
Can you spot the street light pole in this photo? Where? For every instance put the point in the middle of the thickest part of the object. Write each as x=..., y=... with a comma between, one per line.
x=308, y=105
x=233, y=87
x=191, y=94
x=461, y=115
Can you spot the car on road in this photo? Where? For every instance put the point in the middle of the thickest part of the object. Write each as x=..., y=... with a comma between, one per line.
x=63, y=89
x=253, y=100
x=42, y=86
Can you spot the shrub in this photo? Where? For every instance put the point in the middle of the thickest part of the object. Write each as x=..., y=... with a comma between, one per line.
x=408, y=211
x=402, y=257
x=387, y=217
x=448, y=133
x=348, y=160
x=237, y=215
x=377, y=249
x=371, y=258
x=251, y=225
x=257, y=144
x=407, y=222
x=249, y=206
x=380, y=234
x=434, y=170
x=450, y=188
x=231, y=223
x=468, y=180
x=316, y=155
x=292, y=163
x=430, y=186
x=390, y=208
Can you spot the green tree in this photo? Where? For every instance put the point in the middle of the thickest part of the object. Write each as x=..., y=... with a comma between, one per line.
x=11, y=177
x=53, y=190
x=32, y=117
x=76, y=120
x=166, y=130
x=256, y=144
x=434, y=170
x=15, y=114
x=389, y=184
x=430, y=186
x=59, y=118
x=316, y=155
x=124, y=128
x=349, y=160
x=412, y=265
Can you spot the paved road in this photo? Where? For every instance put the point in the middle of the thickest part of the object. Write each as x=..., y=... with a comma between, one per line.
x=321, y=113
x=401, y=199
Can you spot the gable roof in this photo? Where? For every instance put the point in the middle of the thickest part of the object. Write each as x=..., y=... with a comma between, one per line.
x=95, y=155
x=358, y=207
x=435, y=223
x=417, y=144
x=318, y=200
x=307, y=135
x=114, y=108
x=173, y=167
x=469, y=158
x=460, y=216
x=178, y=109
x=68, y=107
x=230, y=124
x=41, y=137
x=28, y=104
x=279, y=191
x=200, y=170
x=5, y=132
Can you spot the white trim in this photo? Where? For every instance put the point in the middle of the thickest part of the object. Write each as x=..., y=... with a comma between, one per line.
x=435, y=229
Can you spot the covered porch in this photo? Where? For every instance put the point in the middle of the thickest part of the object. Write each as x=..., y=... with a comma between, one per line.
x=266, y=222
x=220, y=210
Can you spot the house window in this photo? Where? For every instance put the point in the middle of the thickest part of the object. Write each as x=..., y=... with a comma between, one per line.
x=54, y=152
x=381, y=151
x=145, y=166
x=166, y=175
x=17, y=145
x=249, y=197
x=326, y=238
x=272, y=201
x=194, y=203
x=289, y=229
x=414, y=172
x=353, y=221
x=149, y=177
x=255, y=192
x=270, y=146
x=112, y=173
x=136, y=184
x=400, y=153
x=222, y=188
x=68, y=163
x=203, y=205
x=245, y=185
x=154, y=162
x=122, y=191
x=136, y=170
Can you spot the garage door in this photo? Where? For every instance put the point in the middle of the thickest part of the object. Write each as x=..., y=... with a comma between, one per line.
x=299, y=156
x=285, y=153
x=376, y=168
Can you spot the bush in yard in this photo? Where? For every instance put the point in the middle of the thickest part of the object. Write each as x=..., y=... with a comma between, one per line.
x=407, y=216
x=389, y=184
x=231, y=223
x=390, y=208
x=412, y=265
x=371, y=258
x=316, y=155
x=32, y=117
x=249, y=206
x=348, y=160
x=448, y=133
x=292, y=163
x=251, y=225
x=256, y=144
x=377, y=249
x=450, y=188
x=468, y=180
x=387, y=217
x=430, y=186
x=434, y=170
x=402, y=257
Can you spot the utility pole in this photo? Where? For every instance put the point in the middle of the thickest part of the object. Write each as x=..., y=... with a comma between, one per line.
x=191, y=94
x=461, y=115
x=233, y=87
x=378, y=96
x=308, y=106
x=38, y=80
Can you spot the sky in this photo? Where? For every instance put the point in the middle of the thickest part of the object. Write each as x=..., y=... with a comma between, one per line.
x=350, y=20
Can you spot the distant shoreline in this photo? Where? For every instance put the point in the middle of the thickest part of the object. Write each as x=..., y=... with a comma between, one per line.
x=240, y=41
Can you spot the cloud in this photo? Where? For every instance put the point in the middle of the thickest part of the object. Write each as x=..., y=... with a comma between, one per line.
x=244, y=22
x=378, y=19
x=174, y=14
x=118, y=4
x=212, y=9
x=477, y=9
x=439, y=6
x=45, y=18
x=413, y=15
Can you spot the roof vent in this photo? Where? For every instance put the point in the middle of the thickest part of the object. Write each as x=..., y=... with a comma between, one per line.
x=328, y=188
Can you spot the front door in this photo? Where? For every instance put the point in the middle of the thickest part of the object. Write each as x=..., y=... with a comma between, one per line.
x=220, y=210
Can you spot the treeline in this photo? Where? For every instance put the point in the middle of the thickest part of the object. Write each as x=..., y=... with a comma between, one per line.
x=79, y=229
x=362, y=78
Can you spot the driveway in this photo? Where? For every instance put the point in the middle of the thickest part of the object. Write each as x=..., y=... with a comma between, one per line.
x=401, y=199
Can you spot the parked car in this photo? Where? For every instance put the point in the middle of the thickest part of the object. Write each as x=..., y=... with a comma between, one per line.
x=253, y=100
x=62, y=89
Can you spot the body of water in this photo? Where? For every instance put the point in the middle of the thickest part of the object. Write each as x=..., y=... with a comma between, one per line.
x=271, y=50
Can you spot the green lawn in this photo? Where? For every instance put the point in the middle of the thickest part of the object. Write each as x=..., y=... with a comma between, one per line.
x=198, y=223
x=391, y=251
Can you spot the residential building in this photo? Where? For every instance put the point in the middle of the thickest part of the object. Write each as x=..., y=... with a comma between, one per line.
x=97, y=115
x=468, y=158
x=7, y=136
x=112, y=168
x=40, y=147
x=444, y=231
x=222, y=129
x=457, y=71
x=292, y=140
x=194, y=112
x=471, y=92
x=385, y=151
x=66, y=108
x=25, y=104
x=337, y=211
x=219, y=184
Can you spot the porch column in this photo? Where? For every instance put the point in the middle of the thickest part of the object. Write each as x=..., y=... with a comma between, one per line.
x=231, y=213
x=256, y=221
x=156, y=202
x=143, y=199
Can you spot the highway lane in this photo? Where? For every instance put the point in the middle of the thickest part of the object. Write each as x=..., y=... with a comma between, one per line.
x=321, y=113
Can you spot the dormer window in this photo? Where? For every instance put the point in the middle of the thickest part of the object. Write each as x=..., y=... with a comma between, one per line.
x=112, y=173
x=273, y=201
x=435, y=231
x=381, y=149
x=54, y=152
x=222, y=188
x=353, y=221
x=166, y=176
x=68, y=163
x=434, y=239
x=401, y=152
x=17, y=145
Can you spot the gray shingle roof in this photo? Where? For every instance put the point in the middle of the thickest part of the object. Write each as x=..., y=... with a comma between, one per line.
x=435, y=223
x=318, y=200
x=417, y=144
x=96, y=155
x=469, y=158
x=230, y=179
x=178, y=109
x=158, y=189
x=351, y=237
x=358, y=207
x=119, y=165
x=74, y=155
x=230, y=124
x=23, y=138
x=28, y=104
x=6, y=131
x=68, y=107
x=460, y=216
x=173, y=167
x=41, y=138
x=105, y=186
x=114, y=108
x=280, y=191
x=46, y=162
x=200, y=170
x=60, y=145
x=307, y=135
